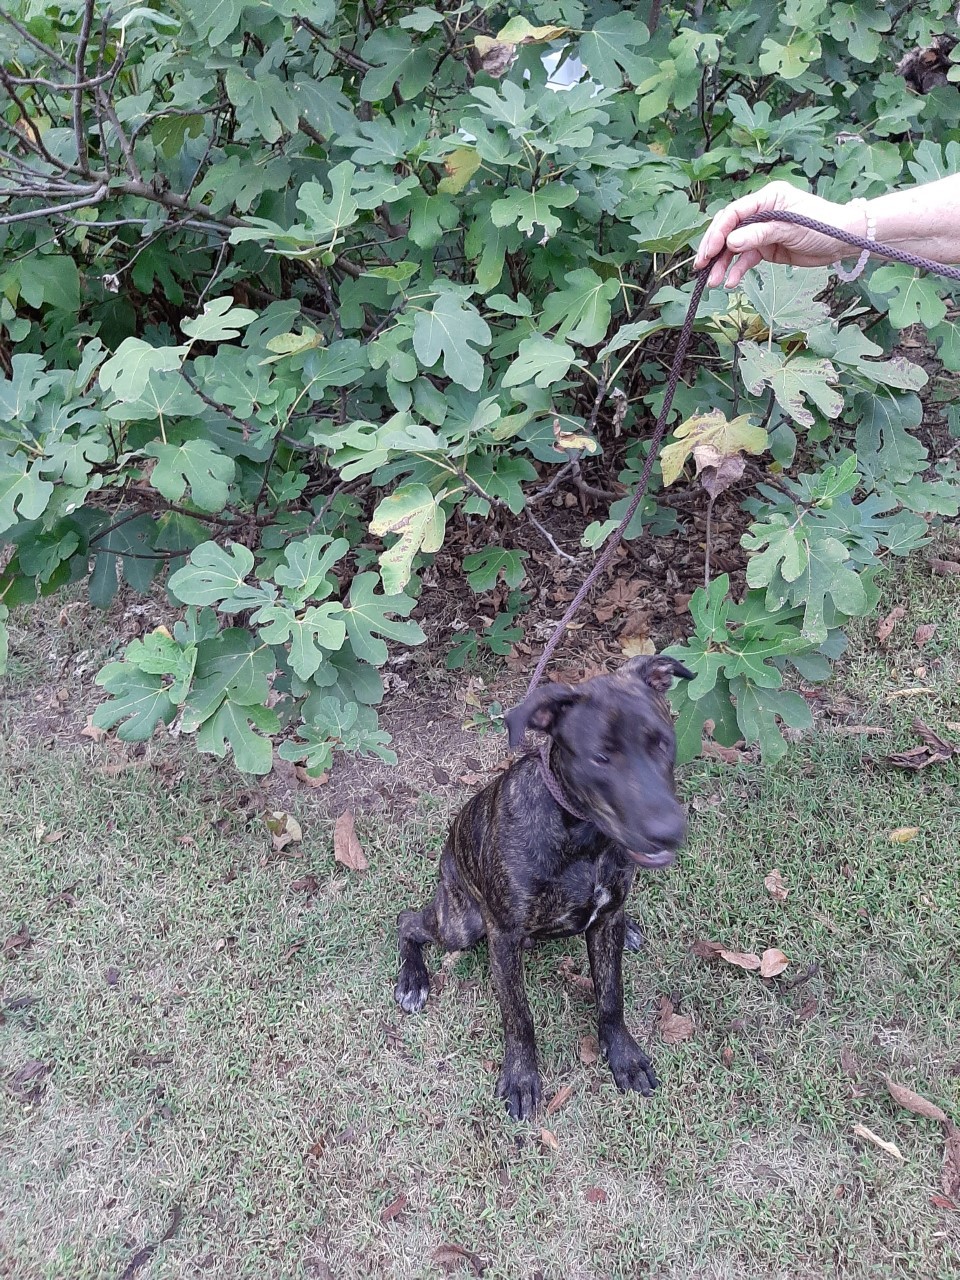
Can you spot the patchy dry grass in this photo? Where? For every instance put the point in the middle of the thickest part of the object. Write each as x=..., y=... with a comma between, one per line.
x=218, y=1050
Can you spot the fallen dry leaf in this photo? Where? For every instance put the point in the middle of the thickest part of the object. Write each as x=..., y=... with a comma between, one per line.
x=772, y=962
x=638, y=647
x=472, y=779
x=549, y=1140
x=90, y=730
x=742, y=959
x=578, y=981
x=292, y=950
x=394, y=1208
x=714, y=751
x=27, y=1082
x=319, y=781
x=773, y=883
x=950, y=1177
x=17, y=941
x=924, y=634
x=945, y=568
x=589, y=1050
x=559, y=1099
x=704, y=950
x=346, y=846
x=890, y=1148
x=935, y=750
x=886, y=625
x=186, y=842
x=903, y=835
x=854, y=730
x=453, y=1257
x=674, y=1027
x=306, y=884
x=595, y=1195
x=849, y=1063
x=941, y=1202
x=727, y=1057
x=910, y=691
x=284, y=829
x=911, y=1101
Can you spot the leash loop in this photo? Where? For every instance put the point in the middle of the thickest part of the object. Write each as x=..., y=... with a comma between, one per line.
x=673, y=379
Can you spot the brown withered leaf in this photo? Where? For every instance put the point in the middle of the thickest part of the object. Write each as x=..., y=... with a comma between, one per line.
x=945, y=568
x=886, y=625
x=742, y=959
x=935, y=750
x=903, y=835
x=890, y=1148
x=950, y=1176
x=589, y=1050
x=941, y=1202
x=911, y=1101
x=453, y=1257
x=90, y=730
x=472, y=779
x=595, y=1195
x=549, y=1140
x=560, y=1099
x=773, y=883
x=495, y=55
x=319, y=781
x=578, y=981
x=772, y=962
x=292, y=950
x=638, y=647
x=17, y=942
x=306, y=884
x=674, y=1027
x=849, y=1063
x=715, y=751
x=346, y=847
x=27, y=1082
x=393, y=1209
x=705, y=950
x=924, y=634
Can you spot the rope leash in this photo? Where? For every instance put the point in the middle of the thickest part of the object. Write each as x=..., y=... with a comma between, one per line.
x=683, y=342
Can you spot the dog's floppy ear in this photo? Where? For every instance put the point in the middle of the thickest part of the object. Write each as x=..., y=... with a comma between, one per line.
x=658, y=671
x=540, y=711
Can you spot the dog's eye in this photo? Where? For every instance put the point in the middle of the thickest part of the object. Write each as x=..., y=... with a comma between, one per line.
x=600, y=758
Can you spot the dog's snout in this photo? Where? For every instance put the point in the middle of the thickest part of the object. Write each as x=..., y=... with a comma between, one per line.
x=666, y=828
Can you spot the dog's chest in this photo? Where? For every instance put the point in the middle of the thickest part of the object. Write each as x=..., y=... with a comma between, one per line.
x=582, y=893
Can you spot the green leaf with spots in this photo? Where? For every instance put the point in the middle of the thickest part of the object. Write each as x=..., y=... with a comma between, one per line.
x=413, y=513
x=233, y=725
x=452, y=329
x=793, y=379
x=140, y=702
x=213, y=574
x=368, y=618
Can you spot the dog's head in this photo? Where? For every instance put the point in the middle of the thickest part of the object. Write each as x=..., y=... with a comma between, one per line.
x=614, y=750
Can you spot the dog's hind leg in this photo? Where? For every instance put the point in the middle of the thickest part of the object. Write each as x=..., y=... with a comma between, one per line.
x=635, y=939
x=452, y=920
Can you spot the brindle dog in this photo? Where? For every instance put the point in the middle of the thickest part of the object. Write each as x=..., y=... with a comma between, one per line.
x=550, y=849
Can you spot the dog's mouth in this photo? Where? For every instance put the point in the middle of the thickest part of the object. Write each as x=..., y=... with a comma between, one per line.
x=653, y=861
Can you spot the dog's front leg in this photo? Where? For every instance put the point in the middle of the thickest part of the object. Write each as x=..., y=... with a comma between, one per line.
x=519, y=1083
x=631, y=1067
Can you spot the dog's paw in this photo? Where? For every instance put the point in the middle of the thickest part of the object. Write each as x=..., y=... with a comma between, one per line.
x=632, y=1069
x=635, y=939
x=519, y=1087
x=413, y=987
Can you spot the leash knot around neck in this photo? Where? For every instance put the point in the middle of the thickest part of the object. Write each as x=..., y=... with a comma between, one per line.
x=552, y=783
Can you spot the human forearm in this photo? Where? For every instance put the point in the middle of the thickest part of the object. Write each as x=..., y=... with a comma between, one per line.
x=923, y=219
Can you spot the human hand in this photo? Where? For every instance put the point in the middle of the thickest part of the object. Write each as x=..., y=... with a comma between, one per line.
x=741, y=248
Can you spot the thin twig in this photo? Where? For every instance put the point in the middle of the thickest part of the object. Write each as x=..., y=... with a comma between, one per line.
x=549, y=537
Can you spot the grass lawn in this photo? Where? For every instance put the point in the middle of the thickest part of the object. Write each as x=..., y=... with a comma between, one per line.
x=199, y=1040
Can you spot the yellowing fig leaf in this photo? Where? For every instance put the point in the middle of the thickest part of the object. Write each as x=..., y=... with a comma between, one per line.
x=713, y=442
x=772, y=962
x=460, y=165
x=903, y=835
x=520, y=31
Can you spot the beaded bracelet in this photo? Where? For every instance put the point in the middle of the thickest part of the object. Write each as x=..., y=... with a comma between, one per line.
x=865, y=254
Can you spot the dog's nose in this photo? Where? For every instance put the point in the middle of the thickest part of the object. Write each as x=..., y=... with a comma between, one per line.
x=667, y=829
